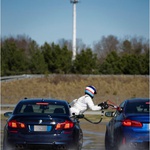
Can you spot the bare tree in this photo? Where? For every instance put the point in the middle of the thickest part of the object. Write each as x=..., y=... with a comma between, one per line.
x=80, y=45
x=106, y=45
x=62, y=42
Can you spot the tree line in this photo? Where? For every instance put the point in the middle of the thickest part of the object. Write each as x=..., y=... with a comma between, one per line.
x=109, y=55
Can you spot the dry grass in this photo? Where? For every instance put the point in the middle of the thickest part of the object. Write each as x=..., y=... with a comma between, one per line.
x=115, y=88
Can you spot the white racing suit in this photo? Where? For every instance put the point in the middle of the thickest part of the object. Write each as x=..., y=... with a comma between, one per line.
x=79, y=106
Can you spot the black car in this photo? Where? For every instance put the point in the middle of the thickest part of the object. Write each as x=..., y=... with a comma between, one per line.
x=129, y=128
x=42, y=124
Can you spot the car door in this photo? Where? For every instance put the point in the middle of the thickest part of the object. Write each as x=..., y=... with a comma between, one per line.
x=117, y=125
x=114, y=125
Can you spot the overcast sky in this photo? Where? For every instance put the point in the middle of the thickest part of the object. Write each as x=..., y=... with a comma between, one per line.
x=51, y=20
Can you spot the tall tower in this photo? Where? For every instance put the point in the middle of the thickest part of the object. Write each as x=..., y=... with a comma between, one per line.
x=74, y=29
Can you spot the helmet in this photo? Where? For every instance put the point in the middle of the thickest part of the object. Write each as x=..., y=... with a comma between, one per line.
x=90, y=90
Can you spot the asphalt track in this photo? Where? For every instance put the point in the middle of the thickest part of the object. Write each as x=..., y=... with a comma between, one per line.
x=93, y=136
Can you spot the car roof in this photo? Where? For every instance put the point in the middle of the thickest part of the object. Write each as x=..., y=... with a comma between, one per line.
x=28, y=100
x=137, y=99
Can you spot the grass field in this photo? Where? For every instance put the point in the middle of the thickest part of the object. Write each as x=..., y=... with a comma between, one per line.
x=115, y=88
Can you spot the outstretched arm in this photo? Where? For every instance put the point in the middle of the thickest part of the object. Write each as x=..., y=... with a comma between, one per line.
x=92, y=106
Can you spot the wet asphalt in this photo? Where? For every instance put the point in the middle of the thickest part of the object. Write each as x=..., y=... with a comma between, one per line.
x=93, y=136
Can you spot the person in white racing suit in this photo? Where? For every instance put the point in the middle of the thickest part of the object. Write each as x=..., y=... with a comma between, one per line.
x=80, y=105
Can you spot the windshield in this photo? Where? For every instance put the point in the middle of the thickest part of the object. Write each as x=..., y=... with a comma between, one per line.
x=137, y=107
x=42, y=108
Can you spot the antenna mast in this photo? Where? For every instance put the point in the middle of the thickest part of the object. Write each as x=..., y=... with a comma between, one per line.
x=74, y=29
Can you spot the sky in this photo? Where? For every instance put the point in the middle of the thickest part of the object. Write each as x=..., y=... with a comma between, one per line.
x=51, y=20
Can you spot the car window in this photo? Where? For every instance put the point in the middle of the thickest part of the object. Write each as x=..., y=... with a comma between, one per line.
x=137, y=107
x=122, y=104
x=117, y=112
x=42, y=108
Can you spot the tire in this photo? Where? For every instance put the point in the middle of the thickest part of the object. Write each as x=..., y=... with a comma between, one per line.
x=8, y=148
x=78, y=143
x=108, y=142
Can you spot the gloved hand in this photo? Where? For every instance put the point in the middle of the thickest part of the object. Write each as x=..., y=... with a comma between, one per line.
x=103, y=105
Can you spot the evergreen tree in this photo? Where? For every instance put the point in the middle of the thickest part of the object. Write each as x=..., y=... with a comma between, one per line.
x=111, y=65
x=37, y=63
x=13, y=59
x=58, y=60
x=130, y=64
x=86, y=62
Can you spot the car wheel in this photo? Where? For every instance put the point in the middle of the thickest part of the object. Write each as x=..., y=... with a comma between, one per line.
x=5, y=147
x=108, y=142
x=78, y=143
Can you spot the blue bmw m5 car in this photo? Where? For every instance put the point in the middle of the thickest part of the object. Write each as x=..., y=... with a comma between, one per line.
x=42, y=124
x=130, y=126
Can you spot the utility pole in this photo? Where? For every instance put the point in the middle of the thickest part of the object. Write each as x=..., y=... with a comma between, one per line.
x=74, y=29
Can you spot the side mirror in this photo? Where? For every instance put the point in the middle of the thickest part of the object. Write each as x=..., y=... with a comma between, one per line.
x=109, y=114
x=80, y=116
x=120, y=109
x=8, y=114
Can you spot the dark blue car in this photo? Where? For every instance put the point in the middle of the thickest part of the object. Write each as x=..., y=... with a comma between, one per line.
x=129, y=128
x=42, y=124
